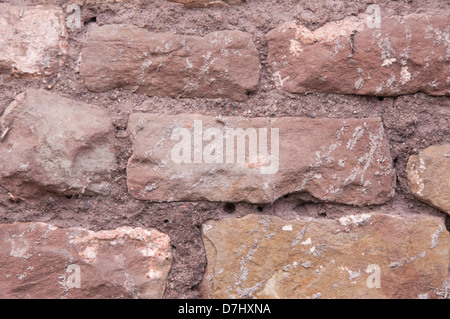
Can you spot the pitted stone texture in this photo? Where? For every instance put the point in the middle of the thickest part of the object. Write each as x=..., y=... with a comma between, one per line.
x=207, y=3
x=54, y=144
x=335, y=160
x=39, y=260
x=33, y=39
x=428, y=176
x=268, y=257
x=364, y=55
x=222, y=64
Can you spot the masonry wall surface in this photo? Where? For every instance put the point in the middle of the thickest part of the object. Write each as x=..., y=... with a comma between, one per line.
x=90, y=91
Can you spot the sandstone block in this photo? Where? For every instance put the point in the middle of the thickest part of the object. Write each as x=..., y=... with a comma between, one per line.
x=257, y=160
x=428, y=175
x=358, y=256
x=221, y=64
x=366, y=54
x=33, y=40
x=39, y=260
x=54, y=144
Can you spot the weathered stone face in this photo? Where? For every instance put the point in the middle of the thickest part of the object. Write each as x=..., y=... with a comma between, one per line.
x=428, y=176
x=221, y=64
x=366, y=55
x=193, y=158
x=33, y=39
x=207, y=3
x=357, y=256
x=54, y=144
x=38, y=260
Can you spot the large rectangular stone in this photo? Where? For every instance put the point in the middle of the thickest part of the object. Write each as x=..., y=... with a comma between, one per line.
x=52, y=144
x=221, y=64
x=368, y=54
x=358, y=256
x=33, y=39
x=39, y=260
x=193, y=158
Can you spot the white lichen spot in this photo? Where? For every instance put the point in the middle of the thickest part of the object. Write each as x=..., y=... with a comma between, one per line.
x=189, y=65
x=354, y=274
x=295, y=48
x=387, y=52
x=153, y=274
x=287, y=228
x=90, y=253
x=435, y=238
x=316, y=296
x=354, y=219
x=19, y=248
x=206, y=228
x=388, y=62
x=405, y=76
x=433, y=84
x=390, y=81
x=396, y=264
x=21, y=276
x=149, y=250
x=415, y=175
x=307, y=242
x=24, y=166
x=149, y=188
x=359, y=83
x=279, y=81
x=359, y=131
x=306, y=264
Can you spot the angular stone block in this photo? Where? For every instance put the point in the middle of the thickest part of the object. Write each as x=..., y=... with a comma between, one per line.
x=257, y=160
x=428, y=176
x=39, y=260
x=223, y=64
x=368, y=54
x=33, y=40
x=55, y=144
x=358, y=256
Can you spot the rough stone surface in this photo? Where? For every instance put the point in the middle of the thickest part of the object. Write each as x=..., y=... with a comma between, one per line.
x=33, y=39
x=365, y=55
x=221, y=64
x=411, y=122
x=207, y=3
x=268, y=257
x=428, y=175
x=54, y=144
x=40, y=260
x=335, y=160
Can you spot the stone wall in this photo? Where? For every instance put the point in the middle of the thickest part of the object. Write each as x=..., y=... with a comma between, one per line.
x=224, y=149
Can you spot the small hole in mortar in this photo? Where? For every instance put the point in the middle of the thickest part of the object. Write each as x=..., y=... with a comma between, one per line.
x=229, y=208
x=380, y=98
x=259, y=208
x=90, y=20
